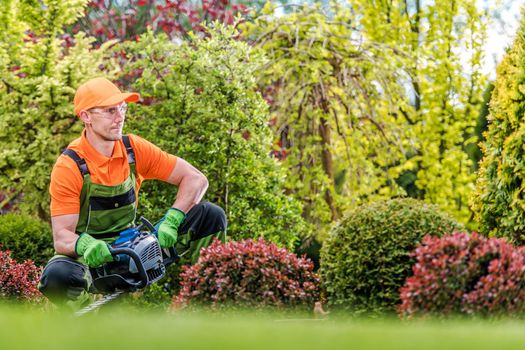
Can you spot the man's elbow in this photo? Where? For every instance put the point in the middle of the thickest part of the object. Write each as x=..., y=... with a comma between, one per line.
x=203, y=181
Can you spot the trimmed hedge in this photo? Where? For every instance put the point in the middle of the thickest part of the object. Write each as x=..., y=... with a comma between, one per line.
x=366, y=258
x=465, y=274
x=254, y=274
x=26, y=237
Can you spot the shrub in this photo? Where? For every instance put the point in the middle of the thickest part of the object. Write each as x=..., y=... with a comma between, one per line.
x=18, y=281
x=499, y=199
x=366, y=258
x=467, y=274
x=26, y=237
x=202, y=104
x=251, y=274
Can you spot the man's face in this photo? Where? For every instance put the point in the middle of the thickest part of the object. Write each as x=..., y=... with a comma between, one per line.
x=107, y=122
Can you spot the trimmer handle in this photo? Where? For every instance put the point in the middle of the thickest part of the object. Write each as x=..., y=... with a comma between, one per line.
x=168, y=259
x=148, y=224
x=140, y=267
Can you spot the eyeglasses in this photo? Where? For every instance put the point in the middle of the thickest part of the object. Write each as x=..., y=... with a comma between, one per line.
x=112, y=111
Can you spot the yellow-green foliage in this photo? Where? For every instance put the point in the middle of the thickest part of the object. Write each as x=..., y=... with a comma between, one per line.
x=338, y=117
x=38, y=78
x=375, y=99
x=500, y=201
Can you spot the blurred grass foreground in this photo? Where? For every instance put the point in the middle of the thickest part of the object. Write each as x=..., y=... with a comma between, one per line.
x=24, y=328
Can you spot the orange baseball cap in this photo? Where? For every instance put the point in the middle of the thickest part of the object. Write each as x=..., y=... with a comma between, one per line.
x=100, y=92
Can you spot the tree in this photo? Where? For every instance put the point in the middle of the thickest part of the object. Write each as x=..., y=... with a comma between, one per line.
x=39, y=72
x=499, y=199
x=201, y=104
x=446, y=85
x=331, y=97
x=372, y=100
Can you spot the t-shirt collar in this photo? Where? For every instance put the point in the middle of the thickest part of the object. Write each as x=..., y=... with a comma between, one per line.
x=97, y=157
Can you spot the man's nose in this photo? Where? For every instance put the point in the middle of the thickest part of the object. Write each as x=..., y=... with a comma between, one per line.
x=119, y=115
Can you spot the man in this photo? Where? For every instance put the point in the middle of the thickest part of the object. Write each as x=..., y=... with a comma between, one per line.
x=94, y=190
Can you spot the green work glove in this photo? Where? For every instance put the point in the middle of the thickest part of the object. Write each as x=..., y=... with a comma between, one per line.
x=94, y=251
x=169, y=226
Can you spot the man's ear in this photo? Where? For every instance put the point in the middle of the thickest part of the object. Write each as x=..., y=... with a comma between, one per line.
x=85, y=117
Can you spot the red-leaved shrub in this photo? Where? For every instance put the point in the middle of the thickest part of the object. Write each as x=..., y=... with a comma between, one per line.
x=248, y=273
x=465, y=274
x=18, y=280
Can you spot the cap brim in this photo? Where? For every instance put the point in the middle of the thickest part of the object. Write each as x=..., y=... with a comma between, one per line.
x=118, y=98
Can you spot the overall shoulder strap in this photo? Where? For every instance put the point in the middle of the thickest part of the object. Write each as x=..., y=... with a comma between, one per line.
x=129, y=149
x=81, y=163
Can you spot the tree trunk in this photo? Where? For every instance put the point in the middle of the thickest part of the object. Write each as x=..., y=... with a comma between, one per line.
x=328, y=167
x=324, y=130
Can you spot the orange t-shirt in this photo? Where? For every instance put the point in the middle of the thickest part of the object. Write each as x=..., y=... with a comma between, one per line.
x=66, y=180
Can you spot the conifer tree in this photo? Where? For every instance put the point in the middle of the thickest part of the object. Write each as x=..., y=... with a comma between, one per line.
x=499, y=201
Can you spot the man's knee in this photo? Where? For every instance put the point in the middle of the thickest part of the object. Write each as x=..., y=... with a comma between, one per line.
x=63, y=279
x=205, y=219
x=216, y=216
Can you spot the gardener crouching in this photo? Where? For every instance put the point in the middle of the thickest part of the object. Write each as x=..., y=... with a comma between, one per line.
x=94, y=191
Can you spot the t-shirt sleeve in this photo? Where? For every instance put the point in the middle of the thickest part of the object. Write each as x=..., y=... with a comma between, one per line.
x=152, y=162
x=65, y=187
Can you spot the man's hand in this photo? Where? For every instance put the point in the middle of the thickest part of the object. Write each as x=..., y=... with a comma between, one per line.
x=94, y=251
x=169, y=226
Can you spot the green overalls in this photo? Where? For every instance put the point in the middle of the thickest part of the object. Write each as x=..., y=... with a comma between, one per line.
x=105, y=211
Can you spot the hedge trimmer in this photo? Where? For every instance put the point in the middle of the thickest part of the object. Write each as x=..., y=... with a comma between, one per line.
x=139, y=262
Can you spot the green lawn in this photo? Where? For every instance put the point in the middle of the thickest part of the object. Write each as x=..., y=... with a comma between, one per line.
x=121, y=329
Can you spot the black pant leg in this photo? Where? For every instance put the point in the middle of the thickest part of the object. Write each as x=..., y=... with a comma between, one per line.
x=64, y=279
x=204, y=222
x=204, y=219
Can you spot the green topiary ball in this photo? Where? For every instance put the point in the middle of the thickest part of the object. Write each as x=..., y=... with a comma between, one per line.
x=26, y=237
x=366, y=258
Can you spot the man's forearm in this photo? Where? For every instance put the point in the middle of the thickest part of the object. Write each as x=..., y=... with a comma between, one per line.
x=190, y=193
x=65, y=242
x=64, y=236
